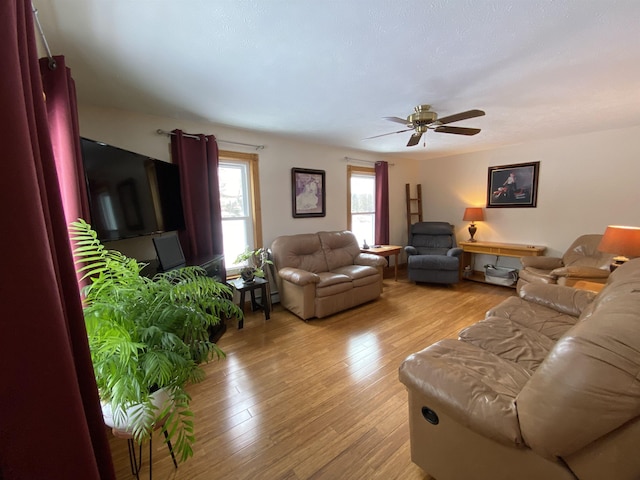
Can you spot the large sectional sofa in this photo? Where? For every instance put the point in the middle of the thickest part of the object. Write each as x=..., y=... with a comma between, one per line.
x=546, y=386
x=319, y=274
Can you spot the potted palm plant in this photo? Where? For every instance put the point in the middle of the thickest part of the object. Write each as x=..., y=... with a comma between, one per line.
x=148, y=335
x=254, y=262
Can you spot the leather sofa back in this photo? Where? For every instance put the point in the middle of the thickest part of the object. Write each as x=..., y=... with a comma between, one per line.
x=583, y=252
x=340, y=248
x=589, y=384
x=303, y=251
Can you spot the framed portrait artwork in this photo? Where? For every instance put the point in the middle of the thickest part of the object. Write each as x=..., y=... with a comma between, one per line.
x=308, y=195
x=513, y=185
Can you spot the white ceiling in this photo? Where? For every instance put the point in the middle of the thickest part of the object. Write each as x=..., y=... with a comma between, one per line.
x=328, y=71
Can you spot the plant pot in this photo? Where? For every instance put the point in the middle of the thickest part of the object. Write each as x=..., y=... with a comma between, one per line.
x=124, y=426
x=248, y=275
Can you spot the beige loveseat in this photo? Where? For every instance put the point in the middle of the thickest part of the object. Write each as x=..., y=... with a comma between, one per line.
x=547, y=386
x=322, y=273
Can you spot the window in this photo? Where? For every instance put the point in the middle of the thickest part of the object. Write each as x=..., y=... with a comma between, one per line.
x=239, y=202
x=361, y=183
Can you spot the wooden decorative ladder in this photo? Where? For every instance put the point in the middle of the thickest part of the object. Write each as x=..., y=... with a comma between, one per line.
x=414, y=206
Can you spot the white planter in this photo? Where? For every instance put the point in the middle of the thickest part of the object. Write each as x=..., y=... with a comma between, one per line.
x=124, y=426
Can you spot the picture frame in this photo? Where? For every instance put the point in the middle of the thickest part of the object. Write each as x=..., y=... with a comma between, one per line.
x=513, y=185
x=308, y=193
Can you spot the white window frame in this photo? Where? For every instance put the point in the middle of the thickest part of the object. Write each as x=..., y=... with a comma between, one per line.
x=353, y=170
x=250, y=163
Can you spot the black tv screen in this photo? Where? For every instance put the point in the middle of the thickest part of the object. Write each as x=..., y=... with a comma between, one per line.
x=130, y=194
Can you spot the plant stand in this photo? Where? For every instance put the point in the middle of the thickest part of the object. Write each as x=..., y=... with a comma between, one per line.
x=242, y=288
x=135, y=460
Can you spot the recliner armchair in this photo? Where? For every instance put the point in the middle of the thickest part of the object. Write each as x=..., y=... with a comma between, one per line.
x=581, y=261
x=432, y=254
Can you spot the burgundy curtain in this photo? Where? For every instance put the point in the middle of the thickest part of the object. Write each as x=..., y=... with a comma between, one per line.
x=198, y=162
x=382, y=203
x=62, y=112
x=50, y=420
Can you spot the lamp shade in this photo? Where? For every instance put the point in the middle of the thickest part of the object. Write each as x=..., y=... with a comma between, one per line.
x=473, y=214
x=621, y=240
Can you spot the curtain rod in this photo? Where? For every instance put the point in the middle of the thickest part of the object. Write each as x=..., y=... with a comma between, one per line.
x=364, y=161
x=52, y=61
x=257, y=147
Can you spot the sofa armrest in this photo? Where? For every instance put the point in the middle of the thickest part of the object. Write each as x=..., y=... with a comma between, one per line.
x=567, y=300
x=298, y=276
x=411, y=250
x=543, y=263
x=454, y=252
x=370, y=260
x=580, y=272
x=473, y=386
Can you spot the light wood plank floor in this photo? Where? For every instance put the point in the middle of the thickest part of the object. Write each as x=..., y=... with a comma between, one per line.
x=318, y=399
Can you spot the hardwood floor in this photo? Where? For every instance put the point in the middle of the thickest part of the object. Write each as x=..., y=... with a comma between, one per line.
x=318, y=399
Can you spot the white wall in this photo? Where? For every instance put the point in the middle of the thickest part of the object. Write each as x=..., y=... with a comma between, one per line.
x=586, y=182
x=137, y=132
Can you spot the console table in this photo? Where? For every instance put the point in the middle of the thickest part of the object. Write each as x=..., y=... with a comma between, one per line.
x=386, y=251
x=497, y=249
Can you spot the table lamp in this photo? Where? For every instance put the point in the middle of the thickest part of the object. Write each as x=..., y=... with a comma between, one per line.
x=622, y=241
x=473, y=214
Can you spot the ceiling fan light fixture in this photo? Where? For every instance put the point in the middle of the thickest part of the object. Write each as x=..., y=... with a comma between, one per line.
x=422, y=118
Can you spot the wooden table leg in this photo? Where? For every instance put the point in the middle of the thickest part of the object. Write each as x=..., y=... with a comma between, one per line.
x=395, y=265
x=241, y=322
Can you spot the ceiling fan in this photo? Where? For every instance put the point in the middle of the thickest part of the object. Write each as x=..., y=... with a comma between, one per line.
x=424, y=119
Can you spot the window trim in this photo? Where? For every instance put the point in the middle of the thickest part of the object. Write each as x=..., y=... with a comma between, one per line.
x=351, y=170
x=254, y=186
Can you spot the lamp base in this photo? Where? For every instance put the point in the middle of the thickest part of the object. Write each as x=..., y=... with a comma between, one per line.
x=472, y=232
x=617, y=261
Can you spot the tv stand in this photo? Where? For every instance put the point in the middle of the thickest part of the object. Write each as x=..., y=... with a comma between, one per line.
x=213, y=264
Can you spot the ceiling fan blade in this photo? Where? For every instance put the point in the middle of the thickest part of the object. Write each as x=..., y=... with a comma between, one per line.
x=390, y=133
x=458, y=130
x=397, y=120
x=415, y=138
x=461, y=116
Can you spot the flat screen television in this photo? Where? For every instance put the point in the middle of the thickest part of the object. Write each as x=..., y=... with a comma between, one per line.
x=130, y=194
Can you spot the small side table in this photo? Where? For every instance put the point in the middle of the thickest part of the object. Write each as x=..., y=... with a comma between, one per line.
x=243, y=288
x=386, y=251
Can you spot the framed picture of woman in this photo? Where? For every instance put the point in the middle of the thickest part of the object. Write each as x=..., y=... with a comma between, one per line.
x=308, y=196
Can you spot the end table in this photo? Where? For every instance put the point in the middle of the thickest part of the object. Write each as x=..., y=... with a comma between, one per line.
x=242, y=288
x=386, y=251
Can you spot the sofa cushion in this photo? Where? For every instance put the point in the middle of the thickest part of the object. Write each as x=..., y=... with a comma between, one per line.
x=509, y=340
x=549, y=322
x=332, y=283
x=332, y=278
x=433, y=262
x=355, y=272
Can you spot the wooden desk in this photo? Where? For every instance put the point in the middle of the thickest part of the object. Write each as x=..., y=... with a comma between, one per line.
x=386, y=251
x=497, y=249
